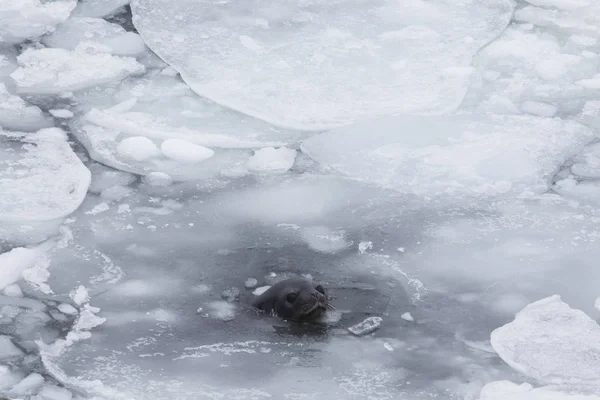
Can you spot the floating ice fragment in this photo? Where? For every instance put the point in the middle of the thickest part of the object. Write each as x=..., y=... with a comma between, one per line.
x=552, y=343
x=463, y=154
x=316, y=65
x=538, y=108
x=52, y=71
x=73, y=31
x=26, y=19
x=506, y=390
x=158, y=179
x=98, y=8
x=13, y=290
x=8, y=349
x=364, y=246
x=17, y=115
x=51, y=392
x=272, y=160
x=184, y=151
x=230, y=295
x=79, y=295
x=369, y=325
x=66, y=308
x=137, y=148
x=222, y=310
x=250, y=283
x=407, y=317
x=28, y=386
x=325, y=240
x=260, y=290
x=62, y=113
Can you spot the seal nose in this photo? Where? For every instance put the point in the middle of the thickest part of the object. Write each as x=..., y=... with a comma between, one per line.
x=319, y=297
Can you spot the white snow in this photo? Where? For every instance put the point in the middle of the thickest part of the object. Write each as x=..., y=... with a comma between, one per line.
x=272, y=160
x=79, y=295
x=506, y=390
x=41, y=178
x=8, y=349
x=184, y=151
x=551, y=343
x=465, y=154
x=14, y=262
x=53, y=71
x=62, y=113
x=314, y=65
x=25, y=19
x=16, y=114
x=73, y=31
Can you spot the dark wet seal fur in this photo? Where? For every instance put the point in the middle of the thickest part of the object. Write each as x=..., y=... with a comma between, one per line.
x=295, y=299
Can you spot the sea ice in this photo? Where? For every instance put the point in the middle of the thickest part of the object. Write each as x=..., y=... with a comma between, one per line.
x=51, y=392
x=26, y=19
x=14, y=262
x=28, y=386
x=54, y=71
x=184, y=151
x=73, y=31
x=80, y=295
x=13, y=290
x=551, y=343
x=41, y=178
x=503, y=390
x=461, y=154
x=8, y=349
x=98, y=8
x=62, y=113
x=138, y=148
x=272, y=160
x=365, y=327
x=325, y=240
x=17, y=115
x=312, y=65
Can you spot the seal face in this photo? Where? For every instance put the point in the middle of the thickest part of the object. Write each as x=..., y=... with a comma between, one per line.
x=296, y=299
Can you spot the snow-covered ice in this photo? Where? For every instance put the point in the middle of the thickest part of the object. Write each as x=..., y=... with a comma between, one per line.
x=551, y=343
x=98, y=8
x=314, y=65
x=272, y=160
x=502, y=390
x=41, y=178
x=27, y=19
x=17, y=115
x=54, y=70
x=184, y=151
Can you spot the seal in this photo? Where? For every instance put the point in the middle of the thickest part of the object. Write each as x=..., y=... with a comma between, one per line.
x=296, y=299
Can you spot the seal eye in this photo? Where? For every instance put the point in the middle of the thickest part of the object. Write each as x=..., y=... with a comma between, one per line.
x=320, y=289
x=291, y=297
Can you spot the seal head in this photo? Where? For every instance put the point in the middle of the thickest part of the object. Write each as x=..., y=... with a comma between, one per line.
x=295, y=299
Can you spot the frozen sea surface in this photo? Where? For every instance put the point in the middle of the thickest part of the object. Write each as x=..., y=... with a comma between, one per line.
x=433, y=164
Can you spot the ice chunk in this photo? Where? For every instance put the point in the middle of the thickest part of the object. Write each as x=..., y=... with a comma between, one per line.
x=597, y=304
x=27, y=386
x=13, y=290
x=17, y=115
x=41, y=178
x=25, y=19
x=79, y=295
x=62, y=113
x=14, y=262
x=8, y=349
x=73, y=31
x=271, y=160
x=364, y=246
x=158, y=179
x=98, y=8
x=325, y=240
x=584, y=190
x=502, y=390
x=538, y=108
x=230, y=295
x=552, y=343
x=53, y=71
x=407, y=317
x=587, y=163
x=336, y=63
x=250, y=283
x=104, y=177
x=184, y=151
x=468, y=154
x=560, y=4
x=222, y=310
x=369, y=325
x=67, y=309
x=51, y=392
x=137, y=148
